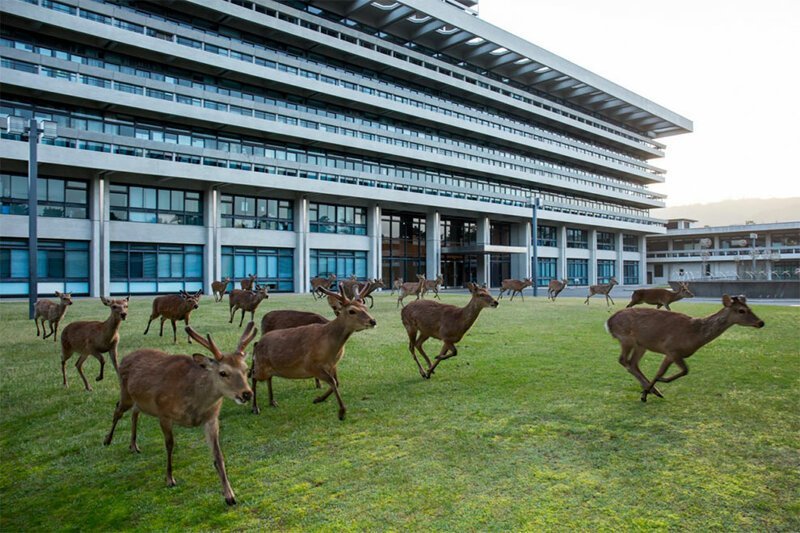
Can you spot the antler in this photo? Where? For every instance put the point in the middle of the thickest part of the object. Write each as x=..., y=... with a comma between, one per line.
x=247, y=337
x=206, y=343
x=338, y=295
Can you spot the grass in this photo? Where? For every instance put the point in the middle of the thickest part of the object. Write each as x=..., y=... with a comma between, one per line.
x=533, y=426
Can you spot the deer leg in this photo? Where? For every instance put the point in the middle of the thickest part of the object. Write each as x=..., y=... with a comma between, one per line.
x=254, y=409
x=36, y=321
x=79, y=366
x=317, y=384
x=420, y=341
x=233, y=310
x=161, y=331
x=212, y=437
x=55, y=332
x=324, y=396
x=412, y=343
x=169, y=443
x=633, y=368
x=608, y=297
x=272, y=401
x=112, y=354
x=174, y=331
x=665, y=364
x=186, y=321
x=330, y=378
x=99, y=357
x=446, y=347
x=684, y=370
x=587, y=299
x=134, y=447
x=241, y=319
x=123, y=405
x=148, y=325
x=65, y=355
x=522, y=295
x=667, y=306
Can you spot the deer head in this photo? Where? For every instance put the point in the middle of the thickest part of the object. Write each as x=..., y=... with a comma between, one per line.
x=683, y=290
x=193, y=300
x=613, y=281
x=481, y=296
x=353, y=312
x=64, y=297
x=262, y=293
x=119, y=307
x=228, y=372
x=739, y=312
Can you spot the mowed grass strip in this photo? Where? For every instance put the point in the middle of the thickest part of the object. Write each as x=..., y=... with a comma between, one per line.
x=534, y=425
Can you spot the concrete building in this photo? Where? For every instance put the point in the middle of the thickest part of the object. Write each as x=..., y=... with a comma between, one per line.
x=199, y=139
x=745, y=252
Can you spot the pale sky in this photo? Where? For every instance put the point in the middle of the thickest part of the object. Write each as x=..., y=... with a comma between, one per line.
x=732, y=67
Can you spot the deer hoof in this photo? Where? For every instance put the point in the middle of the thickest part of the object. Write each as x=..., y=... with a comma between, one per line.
x=135, y=448
x=341, y=414
x=273, y=403
x=255, y=411
x=644, y=397
x=107, y=440
x=230, y=501
x=99, y=378
x=171, y=482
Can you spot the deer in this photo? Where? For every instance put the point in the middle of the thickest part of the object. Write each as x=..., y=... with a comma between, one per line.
x=351, y=286
x=174, y=307
x=52, y=313
x=409, y=288
x=396, y=284
x=555, y=287
x=219, y=288
x=288, y=318
x=318, y=282
x=603, y=289
x=94, y=338
x=249, y=283
x=184, y=390
x=432, y=285
x=246, y=301
x=660, y=297
x=424, y=319
x=311, y=351
x=515, y=286
x=674, y=335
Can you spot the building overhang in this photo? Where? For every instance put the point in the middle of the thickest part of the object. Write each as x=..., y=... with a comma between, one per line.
x=484, y=249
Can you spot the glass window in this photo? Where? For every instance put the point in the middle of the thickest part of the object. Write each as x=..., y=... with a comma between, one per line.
x=578, y=271
x=631, y=272
x=256, y=213
x=155, y=205
x=547, y=235
x=606, y=269
x=273, y=267
x=547, y=270
x=66, y=262
x=143, y=268
x=327, y=218
x=606, y=241
x=56, y=197
x=577, y=238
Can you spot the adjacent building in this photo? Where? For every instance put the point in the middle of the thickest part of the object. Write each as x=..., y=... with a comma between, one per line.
x=289, y=139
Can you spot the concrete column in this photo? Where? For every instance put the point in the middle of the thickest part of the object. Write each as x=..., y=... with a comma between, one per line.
x=620, y=260
x=484, y=260
x=374, y=257
x=521, y=263
x=301, y=251
x=95, y=247
x=433, y=244
x=767, y=260
x=562, y=253
x=211, y=247
x=592, y=257
x=643, y=260
x=105, y=238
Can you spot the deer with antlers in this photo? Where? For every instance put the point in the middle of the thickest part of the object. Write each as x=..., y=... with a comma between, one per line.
x=320, y=282
x=424, y=319
x=674, y=335
x=184, y=390
x=94, y=338
x=660, y=297
x=409, y=288
x=311, y=351
x=555, y=287
x=45, y=310
x=515, y=286
x=174, y=307
x=219, y=288
x=603, y=289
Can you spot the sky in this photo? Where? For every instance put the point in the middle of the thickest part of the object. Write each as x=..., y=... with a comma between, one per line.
x=732, y=67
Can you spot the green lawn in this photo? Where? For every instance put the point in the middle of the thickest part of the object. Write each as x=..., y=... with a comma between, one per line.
x=533, y=426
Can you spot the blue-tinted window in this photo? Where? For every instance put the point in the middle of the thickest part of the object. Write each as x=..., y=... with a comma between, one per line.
x=578, y=271
x=577, y=238
x=328, y=218
x=61, y=265
x=56, y=197
x=343, y=263
x=606, y=269
x=273, y=267
x=631, y=272
x=547, y=270
x=547, y=236
x=154, y=268
x=155, y=206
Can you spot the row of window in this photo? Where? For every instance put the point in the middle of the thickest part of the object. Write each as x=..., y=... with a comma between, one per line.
x=578, y=271
x=238, y=211
x=60, y=265
x=579, y=238
x=56, y=197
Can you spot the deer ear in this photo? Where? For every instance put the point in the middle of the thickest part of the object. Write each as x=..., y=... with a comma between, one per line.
x=58, y=294
x=104, y=300
x=742, y=298
x=726, y=300
x=201, y=360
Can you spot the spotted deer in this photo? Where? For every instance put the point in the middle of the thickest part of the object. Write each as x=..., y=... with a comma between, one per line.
x=45, y=310
x=219, y=288
x=514, y=286
x=603, y=289
x=555, y=287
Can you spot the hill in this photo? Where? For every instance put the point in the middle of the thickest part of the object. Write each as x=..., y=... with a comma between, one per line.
x=731, y=212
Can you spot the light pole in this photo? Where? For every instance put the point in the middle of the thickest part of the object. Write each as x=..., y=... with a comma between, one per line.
x=753, y=237
x=536, y=203
x=34, y=128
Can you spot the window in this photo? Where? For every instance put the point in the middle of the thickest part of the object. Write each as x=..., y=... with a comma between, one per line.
x=56, y=197
x=256, y=213
x=327, y=218
x=606, y=269
x=155, y=268
x=273, y=267
x=500, y=234
x=155, y=206
x=631, y=272
x=658, y=271
x=61, y=266
x=403, y=245
x=577, y=238
x=547, y=270
x=343, y=263
x=606, y=241
x=458, y=232
x=547, y=236
x=630, y=243
x=578, y=271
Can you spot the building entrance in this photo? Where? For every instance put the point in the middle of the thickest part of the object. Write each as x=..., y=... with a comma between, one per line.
x=458, y=269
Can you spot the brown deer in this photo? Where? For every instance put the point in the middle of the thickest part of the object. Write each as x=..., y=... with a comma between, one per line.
x=249, y=283
x=603, y=289
x=311, y=351
x=351, y=286
x=288, y=318
x=396, y=284
x=219, y=288
x=174, y=307
x=515, y=286
x=409, y=288
x=94, y=338
x=555, y=287
x=660, y=297
x=324, y=283
x=432, y=285
x=424, y=319
x=246, y=301
x=184, y=390
x=674, y=335
x=52, y=313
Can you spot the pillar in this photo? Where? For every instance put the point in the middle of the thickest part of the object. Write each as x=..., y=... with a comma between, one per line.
x=484, y=259
x=105, y=237
x=620, y=269
x=592, y=256
x=643, y=260
x=374, y=232
x=433, y=244
x=211, y=247
x=301, y=251
x=96, y=246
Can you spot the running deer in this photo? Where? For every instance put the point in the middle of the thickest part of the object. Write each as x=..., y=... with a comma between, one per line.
x=219, y=288
x=515, y=286
x=311, y=351
x=94, y=338
x=433, y=285
x=288, y=318
x=555, y=287
x=396, y=284
x=660, y=297
x=246, y=301
x=426, y=318
x=52, y=313
x=351, y=286
x=184, y=390
x=674, y=335
x=320, y=282
x=409, y=288
x=249, y=283
x=174, y=307
x=603, y=289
